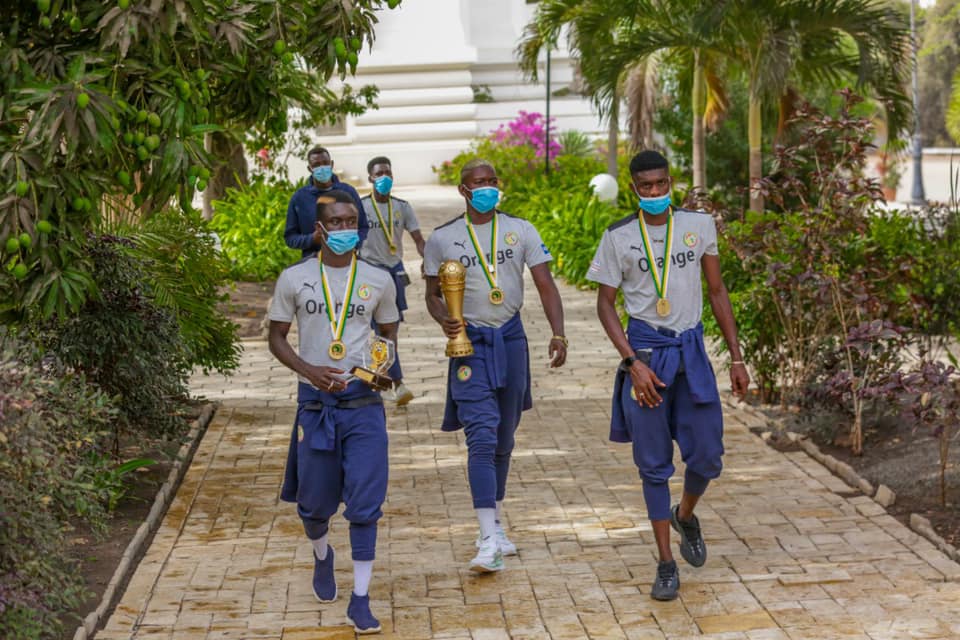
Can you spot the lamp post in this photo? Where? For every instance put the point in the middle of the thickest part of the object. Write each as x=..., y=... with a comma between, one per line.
x=546, y=168
x=916, y=193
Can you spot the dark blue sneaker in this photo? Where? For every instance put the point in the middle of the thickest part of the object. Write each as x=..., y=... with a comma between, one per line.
x=358, y=612
x=692, y=547
x=667, y=584
x=324, y=582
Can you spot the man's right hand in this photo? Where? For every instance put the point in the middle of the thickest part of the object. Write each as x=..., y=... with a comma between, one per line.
x=451, y=326
x=645, y=384
x=325, y=378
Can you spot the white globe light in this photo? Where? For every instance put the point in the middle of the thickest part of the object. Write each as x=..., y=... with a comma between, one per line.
x=604, y=187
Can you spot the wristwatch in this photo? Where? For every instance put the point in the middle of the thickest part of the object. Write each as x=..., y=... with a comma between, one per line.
x=628, y=362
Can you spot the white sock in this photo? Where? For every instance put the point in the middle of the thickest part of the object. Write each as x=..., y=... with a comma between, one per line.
x=362, y=572
x=488, y=522
x=499, y=509
x=320, y=547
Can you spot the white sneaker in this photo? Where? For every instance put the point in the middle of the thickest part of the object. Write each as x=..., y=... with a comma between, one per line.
x=488, y=558
x=507, y=548
x=402, y=395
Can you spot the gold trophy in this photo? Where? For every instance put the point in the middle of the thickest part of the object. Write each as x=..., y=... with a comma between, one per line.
x=377, y=359
x=453, y=282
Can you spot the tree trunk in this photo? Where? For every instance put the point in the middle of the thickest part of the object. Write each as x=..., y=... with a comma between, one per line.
x=699, y=139
x=755, y=138
x=230, y=171
x=613, y=136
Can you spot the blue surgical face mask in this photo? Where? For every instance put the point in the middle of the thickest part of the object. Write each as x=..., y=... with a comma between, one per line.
x=655, y=206
x=323, y=173
x=383, y=185
x=483, y=199
x=344, y=241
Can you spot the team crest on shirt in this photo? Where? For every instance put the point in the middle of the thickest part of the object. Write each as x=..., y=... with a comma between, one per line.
x=690, y=239
x=464, y=373
x=511, y=238
x=363, y=292
x=299, y=433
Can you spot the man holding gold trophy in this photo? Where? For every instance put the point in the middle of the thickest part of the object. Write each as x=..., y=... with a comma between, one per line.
x=474, y=269
x=338, y=448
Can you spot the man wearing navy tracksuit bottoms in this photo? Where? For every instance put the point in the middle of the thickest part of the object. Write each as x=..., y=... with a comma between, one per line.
x=665, y=388
x=338, y=448
x=487, y=392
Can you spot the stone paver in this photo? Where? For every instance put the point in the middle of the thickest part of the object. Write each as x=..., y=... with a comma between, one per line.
x=793, y=556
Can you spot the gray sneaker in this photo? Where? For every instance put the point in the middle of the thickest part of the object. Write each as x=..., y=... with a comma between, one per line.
x=692, y=547
x=667, y=584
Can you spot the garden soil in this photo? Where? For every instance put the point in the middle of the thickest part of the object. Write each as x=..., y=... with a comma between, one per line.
x=904, y=460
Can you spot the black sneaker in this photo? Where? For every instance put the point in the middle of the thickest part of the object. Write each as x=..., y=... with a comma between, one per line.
x=692, y=547
x=667, y=584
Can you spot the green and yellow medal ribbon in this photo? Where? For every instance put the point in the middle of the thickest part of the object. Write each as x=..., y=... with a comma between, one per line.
x=387, y=227
x=489, y=270
x=660, y=280
x=337, y=349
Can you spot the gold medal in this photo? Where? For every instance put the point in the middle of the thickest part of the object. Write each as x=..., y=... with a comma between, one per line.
x=489, y=267
x=337, y=350
x=663, y=307
x=660, y=280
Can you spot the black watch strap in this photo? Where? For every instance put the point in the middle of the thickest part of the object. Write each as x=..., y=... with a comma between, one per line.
x=627, y=362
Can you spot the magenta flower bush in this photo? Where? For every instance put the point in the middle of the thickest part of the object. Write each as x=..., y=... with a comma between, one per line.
x=528, y=129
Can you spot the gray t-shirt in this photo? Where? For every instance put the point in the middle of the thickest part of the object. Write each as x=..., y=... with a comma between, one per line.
x=299, y=293
x=375, y=248
x=620, y=262
x=518, y=244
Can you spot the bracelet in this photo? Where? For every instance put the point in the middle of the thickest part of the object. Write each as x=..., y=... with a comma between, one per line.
x=738, y=362
x=561, y=339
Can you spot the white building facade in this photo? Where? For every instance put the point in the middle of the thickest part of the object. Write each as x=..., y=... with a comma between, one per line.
x=430, y=61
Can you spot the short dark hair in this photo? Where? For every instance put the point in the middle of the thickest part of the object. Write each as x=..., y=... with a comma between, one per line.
x=476, y=163
x=330, y=198
x=317, y=151
x=647, y=160
x=378, y=160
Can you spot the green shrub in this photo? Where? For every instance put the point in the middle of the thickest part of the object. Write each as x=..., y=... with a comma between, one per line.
x=52, y=433
x=184, y=274
x=123, y=341
x=250, y=222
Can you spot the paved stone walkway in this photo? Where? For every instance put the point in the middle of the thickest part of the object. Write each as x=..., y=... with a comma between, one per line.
x=794, y=553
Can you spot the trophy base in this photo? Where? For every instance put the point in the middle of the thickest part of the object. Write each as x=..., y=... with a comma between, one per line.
x=459, y=349
x=374, y=380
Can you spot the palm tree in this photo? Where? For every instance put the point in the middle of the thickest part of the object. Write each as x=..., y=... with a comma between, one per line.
x=620, y=44
x=783, y=42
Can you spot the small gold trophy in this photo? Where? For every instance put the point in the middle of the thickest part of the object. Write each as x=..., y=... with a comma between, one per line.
x=377, y=359
x=453, y=283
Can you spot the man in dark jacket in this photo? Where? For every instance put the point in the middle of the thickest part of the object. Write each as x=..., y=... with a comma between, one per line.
x=301, y=229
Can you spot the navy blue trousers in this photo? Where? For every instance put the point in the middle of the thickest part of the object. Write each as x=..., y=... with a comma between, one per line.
x=353, y=472
x=490, y=418
x=697, y=429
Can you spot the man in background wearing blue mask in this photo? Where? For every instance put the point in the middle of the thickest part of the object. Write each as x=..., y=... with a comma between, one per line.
x=487, y=391
x=665, y=388
x=338, y=448
x=389, y=216
x=301, y=229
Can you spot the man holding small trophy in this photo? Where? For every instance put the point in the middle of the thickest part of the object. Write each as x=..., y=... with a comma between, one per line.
x=338, y=448
x=474, y=269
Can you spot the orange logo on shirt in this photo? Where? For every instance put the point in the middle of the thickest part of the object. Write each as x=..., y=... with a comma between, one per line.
x=511, y=238
x=690, y=239
x=299, y=433
x=364, y=292
x=464, y=373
